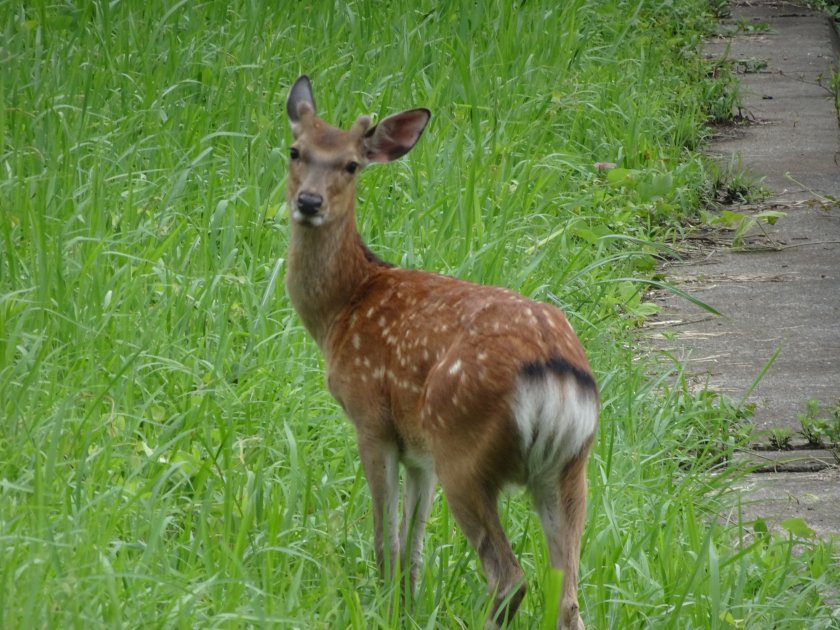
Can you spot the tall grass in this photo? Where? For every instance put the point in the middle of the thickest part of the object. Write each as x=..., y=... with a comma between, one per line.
x=168, y=454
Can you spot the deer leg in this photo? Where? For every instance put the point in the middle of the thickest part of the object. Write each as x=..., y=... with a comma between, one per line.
x=419, y=492
x=474, y=507
x=562, y=511
x=380, y=461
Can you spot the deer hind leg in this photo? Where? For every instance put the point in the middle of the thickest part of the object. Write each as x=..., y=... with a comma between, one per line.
x=562, y=510
x=380, y=460
x=417, y=503
x=474, y=508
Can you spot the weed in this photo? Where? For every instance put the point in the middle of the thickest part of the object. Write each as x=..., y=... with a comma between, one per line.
x=819, y=431
x=742, y=25
x=733, y=186
x=780, y=438
x=721, y=92
x=830, y=7
x=749, y=66
x=835, y=85
x=741, y=223
x=720, y=8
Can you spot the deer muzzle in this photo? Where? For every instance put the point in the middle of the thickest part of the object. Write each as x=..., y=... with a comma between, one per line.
x=309, y=204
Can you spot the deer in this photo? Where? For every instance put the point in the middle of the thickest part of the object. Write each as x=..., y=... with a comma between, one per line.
x=472, y=386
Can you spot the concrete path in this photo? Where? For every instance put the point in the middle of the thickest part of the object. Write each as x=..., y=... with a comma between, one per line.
x=781, y=292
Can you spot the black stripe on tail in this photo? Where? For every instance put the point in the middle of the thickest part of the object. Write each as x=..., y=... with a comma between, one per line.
x=561, y=367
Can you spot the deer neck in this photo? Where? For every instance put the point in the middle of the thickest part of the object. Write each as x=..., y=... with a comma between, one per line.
x=327, y=264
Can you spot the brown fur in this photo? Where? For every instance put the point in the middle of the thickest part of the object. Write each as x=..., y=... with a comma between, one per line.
x=426, y=367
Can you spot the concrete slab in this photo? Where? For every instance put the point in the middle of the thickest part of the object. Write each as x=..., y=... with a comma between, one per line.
x=786, y=301
x=814, y=497
x=790, y=92
x=780, y=295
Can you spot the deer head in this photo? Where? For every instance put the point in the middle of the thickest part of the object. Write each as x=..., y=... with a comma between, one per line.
x=324, y=160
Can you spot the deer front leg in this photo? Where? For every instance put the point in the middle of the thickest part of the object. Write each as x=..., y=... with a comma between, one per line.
x=380, y=460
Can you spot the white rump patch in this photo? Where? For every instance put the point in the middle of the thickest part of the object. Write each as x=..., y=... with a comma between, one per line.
x=555, y=417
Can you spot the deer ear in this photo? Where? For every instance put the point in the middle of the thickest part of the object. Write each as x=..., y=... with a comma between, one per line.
x=300, y=99
x=395, y=135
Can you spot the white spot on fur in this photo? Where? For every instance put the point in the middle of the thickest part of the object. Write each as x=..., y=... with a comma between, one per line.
x=455, y=367
x=357, y=342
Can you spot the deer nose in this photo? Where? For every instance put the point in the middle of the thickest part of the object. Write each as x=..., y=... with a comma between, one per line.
x=309, y=203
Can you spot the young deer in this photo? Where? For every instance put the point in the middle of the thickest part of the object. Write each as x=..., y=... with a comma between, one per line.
x=473, y=385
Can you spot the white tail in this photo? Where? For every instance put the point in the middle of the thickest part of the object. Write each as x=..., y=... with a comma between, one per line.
x=476, y=386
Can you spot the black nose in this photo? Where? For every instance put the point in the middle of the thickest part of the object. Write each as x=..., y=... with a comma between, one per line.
x=309, y=203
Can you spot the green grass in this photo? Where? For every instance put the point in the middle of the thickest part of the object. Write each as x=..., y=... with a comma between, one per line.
x=168, y=453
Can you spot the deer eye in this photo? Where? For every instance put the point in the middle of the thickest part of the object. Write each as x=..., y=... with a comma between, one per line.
x=294, y=153
x=351, y=167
